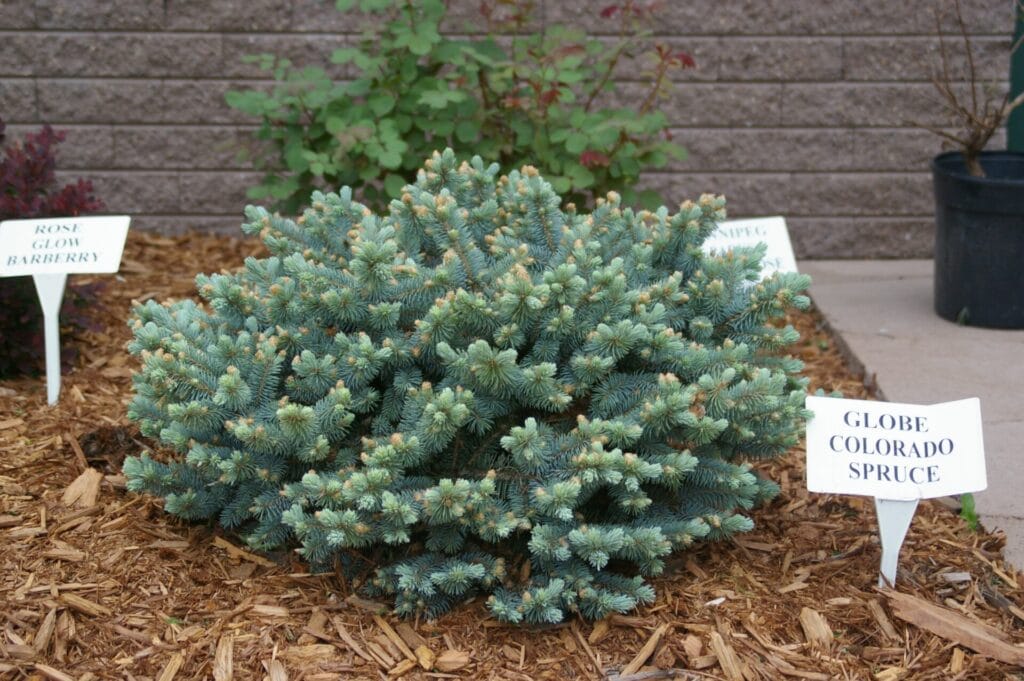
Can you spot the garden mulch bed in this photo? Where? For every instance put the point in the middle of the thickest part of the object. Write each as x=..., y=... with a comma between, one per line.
x=96, y=583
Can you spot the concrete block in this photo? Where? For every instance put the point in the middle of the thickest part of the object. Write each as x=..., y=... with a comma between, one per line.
x=706, y=53
x=763, y=149
x=466, y=17
x=320, y=16
x=302, y=50
x=785, y=59
x=202, y=101
x=181, y=147
x=859, y=104
x=862, y=237
x=100, y=15
x=908, y=58
x=745, y=193
x=113, y=55
x=909, y=149
x=789, y=17
x=16, y=14
x=233, y=17
x=222, y=193
x=83, y=147
x=179, y=224
x=79, y=100
x=711, y=104
x=802, y=194
x=875, y=194
x=21, y=55
x=134, y=192
x=18, y=101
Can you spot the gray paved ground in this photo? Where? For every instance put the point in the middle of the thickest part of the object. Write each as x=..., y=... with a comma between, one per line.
x=882, y=309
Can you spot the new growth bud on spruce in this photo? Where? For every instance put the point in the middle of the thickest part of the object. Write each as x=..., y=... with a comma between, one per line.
x=476, y=377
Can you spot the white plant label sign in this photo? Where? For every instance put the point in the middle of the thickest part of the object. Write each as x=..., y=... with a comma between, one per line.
x=62, y=245
x=771, y=231
x=49, y=249
x=896, y=453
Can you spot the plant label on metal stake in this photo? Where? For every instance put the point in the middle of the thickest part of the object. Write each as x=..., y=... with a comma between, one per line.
x=48, y=249
x=746, y=233
x=894, y=518
x=896, y=453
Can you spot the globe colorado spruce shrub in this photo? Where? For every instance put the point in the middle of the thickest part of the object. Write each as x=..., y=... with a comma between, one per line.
x=478, y=393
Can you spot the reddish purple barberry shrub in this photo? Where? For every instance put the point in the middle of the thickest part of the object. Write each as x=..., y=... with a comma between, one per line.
x=29, y=189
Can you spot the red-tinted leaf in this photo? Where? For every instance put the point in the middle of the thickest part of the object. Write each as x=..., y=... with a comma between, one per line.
x=593, y=159
x=549, y=97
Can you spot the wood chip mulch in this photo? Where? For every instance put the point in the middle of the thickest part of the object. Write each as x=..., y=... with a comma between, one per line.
x=96, y=583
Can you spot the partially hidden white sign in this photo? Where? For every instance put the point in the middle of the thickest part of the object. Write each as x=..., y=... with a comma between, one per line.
x=771, y=231
x=895, y=451
x=77, y=245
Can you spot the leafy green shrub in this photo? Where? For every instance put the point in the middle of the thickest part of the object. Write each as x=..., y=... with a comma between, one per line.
x=473, y=382
x=536, y=100
x=28, y=189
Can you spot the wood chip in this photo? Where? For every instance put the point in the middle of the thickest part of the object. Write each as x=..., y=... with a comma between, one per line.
x=307, y=655
x=394, y=638
x=84, y=605
x=727, y=658
x=425, y=657
x=270, y=610
x=816, y=630
x=410, y=636
x=68, y=555
x=54, y=674
x=956, y=577
x=954, y=627
x=594, y=660
x=382, y=655
x=889, y=631
x=76, y=447
x=451, y=660
x=795, y=586
x=241, y=554
x=339, y=626
x=1010, y=581
x=223, y=659
x=45, y=631
x=600, y=630
x=956, y=661
x=645, y=652
x=170, y=670
x=85, y=489
x=276, y=671
x=402, y=668
x=367, y=605
x=692, y=646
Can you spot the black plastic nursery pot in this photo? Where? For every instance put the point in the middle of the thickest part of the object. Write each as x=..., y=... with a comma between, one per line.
x=979, y=240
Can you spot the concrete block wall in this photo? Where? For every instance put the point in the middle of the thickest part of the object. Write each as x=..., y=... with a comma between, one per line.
x=798, y=107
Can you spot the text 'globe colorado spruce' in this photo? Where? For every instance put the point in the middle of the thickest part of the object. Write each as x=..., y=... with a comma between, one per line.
x=479, y=392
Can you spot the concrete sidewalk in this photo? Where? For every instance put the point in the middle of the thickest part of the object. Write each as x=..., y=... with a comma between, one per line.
x=882, y=310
